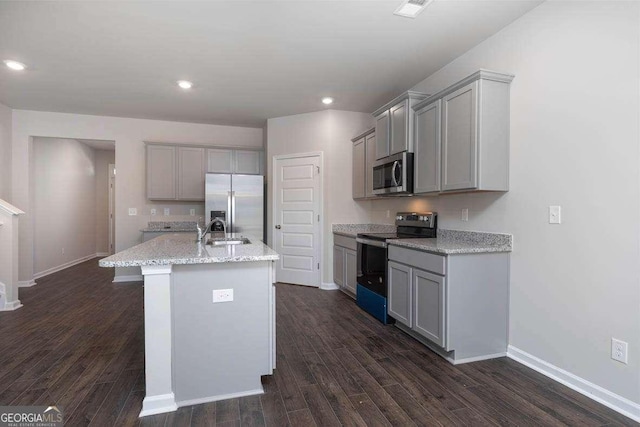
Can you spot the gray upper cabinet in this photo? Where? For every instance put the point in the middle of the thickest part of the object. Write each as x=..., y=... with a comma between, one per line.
x=382, y=135
x=358, y=169
x=427, y=149
x=394, y=124
x=473, y=135
x=247, y=162
x=161, y=172
x=370, y=154
x=191, y=170
x=219, y=160
x=428, y=305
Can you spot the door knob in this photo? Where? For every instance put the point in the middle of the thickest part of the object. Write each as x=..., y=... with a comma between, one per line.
x=278, y=227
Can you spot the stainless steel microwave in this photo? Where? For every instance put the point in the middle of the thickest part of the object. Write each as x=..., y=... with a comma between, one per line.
x=393, y=174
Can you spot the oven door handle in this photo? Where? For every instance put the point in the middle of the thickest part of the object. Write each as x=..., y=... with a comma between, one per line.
x=371, y=242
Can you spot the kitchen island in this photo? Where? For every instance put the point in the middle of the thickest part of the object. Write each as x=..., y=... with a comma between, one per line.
x=209, y=314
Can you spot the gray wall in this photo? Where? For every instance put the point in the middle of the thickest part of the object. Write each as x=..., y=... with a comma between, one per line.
x=5, y=153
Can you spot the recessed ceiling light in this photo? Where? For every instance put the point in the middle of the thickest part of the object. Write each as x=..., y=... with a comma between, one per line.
x=411, y=8
x=185, y=84
x=327, y=100
x=14, y=65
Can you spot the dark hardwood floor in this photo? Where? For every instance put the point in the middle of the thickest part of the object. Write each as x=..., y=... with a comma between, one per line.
x=78, y=343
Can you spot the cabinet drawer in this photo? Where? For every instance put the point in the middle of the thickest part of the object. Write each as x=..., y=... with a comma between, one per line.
x=419, y=259
x=345, y=242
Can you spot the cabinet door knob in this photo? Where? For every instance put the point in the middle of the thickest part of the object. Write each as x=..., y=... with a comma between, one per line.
x=278, y=227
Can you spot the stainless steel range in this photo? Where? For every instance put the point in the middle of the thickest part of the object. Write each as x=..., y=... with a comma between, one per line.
x=371, y=293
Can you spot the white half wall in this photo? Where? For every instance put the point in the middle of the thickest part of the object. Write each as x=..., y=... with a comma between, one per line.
x=129, y=136
x=5, y=152
x=329, y=131
x=574, y=142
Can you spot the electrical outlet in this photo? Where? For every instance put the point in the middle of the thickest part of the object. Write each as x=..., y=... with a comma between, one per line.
x=464, y=216
x=388, y=214
x=222, y=295
x=192, y=212
x=133, y=211
x=554, y=215
x=62, y=251
x=619, y=350
x=154, y=212
x=167, y=211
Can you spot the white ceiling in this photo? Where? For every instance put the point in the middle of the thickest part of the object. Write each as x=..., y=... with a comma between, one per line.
x=249, y=61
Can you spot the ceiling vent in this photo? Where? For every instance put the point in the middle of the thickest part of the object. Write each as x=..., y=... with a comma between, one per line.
x=411, y=8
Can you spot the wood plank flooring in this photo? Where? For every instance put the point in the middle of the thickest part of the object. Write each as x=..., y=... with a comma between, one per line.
x=78, y=343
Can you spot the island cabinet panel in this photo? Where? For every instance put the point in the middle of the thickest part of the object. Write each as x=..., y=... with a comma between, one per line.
x=219, y=160
x=358, y=190
x=400, y=293
x=161, y=172
x=427, y=149
x=370, y=154
x=382, y=135
x=191, y=171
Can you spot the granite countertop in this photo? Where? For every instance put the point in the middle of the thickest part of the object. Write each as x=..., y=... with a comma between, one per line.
x=351, y=230
x=451, y=242
x=170, y=227
x=181, y=248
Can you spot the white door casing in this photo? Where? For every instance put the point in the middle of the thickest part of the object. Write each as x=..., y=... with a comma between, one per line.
x=297, y=237
x=112, y=209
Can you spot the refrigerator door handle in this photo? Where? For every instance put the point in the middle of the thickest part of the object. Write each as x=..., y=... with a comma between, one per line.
x=229, y=218
x=233, y=211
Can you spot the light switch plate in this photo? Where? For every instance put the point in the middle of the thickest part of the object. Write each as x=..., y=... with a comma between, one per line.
x=464, y=216
x=153, y=212
x=167, y=211
x=133, y=211
x=222, y=295
x=555, y=215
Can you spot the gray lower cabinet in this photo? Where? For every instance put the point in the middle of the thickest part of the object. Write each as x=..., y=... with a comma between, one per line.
x=161, y=172
x=457, y=305
x=345, y=263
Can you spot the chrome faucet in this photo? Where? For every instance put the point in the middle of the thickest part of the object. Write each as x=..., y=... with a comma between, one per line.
x=203, y=233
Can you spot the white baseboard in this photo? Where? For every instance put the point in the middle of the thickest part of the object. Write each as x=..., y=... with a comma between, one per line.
x=102, y=254
x=11, y=306
x=133, y=278
x=26, y=283
x=64, y=266
x=329, y=286
x=158, y=405
x=220, y=397
x=616, y=402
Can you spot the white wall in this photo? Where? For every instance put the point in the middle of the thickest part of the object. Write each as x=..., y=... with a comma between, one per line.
x=65, y=203
x=128, y=135
x=574, y=142
x=103, y=159
x=5, y=152
x=329, y=131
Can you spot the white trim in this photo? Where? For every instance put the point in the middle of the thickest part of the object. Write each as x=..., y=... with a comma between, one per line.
x=329, y=286
x=609, y=399
x=26, y=283
x=158, y=405
x=9, y=209
x=220, y=397
x=102, y=254
x=320, y=155
x=11, y=306
x=151, y=270
x=64, y=266
x=131, y=278
x=477, y=358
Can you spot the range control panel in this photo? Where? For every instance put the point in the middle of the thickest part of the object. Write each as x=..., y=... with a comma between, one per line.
x=417, y=219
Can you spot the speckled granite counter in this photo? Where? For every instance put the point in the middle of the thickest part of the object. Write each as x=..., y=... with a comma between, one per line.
x=451, y=242
x=180, y=248
x=170, y=227
x=351, y=230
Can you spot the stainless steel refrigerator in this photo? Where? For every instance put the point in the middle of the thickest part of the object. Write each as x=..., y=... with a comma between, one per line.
x=238, y=200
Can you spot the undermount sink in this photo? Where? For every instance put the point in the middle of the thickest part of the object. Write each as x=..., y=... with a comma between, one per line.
x=228, y=241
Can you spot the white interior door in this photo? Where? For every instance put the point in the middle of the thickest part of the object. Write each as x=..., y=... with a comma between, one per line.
x=296, y=219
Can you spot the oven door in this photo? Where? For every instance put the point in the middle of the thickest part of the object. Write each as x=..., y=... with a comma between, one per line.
x=393, y=174
x=372, y=260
